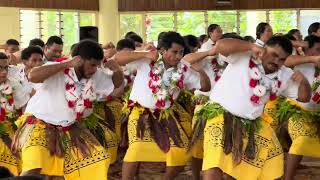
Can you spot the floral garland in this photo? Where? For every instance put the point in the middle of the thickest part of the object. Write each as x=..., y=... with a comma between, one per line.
x=78, y=102
x=261, y=92
x=162, y=92
x=218, y=68
x=315, y=86
x=6, y=99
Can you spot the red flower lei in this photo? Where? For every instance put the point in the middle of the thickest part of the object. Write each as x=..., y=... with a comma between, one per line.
x=161, y=92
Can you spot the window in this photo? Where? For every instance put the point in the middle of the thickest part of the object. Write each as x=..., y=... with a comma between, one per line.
x=226, y=19
x=69, y=29
x=43, y=24
x=191, y=23
x=307, y=17
x=87, y=19
x=249, y=21
x=50, y=24
x=130, y=22
x=157, y=23
x=29, y=26
x=282, y=20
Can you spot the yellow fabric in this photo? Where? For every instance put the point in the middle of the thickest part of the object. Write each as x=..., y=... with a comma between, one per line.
x=268, y=163
x=269, y=114
x=146, y=149
x=35, y=154
x=112, y=138
x=304, y=136
x=197, y=149
x=7, y=159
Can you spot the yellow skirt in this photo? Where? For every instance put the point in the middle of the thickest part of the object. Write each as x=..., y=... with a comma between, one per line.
x=7, y=159
x=305, y=140
x=268, y=163
x=146, y=149
x=112, y=138
x=35, y=154
x=197, y=149
x=269, y=114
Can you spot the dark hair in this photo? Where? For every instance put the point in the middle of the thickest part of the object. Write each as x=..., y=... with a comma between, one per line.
x=169, y=38
x=88, y=49
x=260, y=29
x=36, y=42
x=292, y=31
x=54, y=40
x=12, y=42
x=232, y=35
x=191, y=42
x=312, y=40
x=5, y=172
x=3, y=56
x=135, y=38
x=72, y=46
x=248, y=38
x=129, y=34
x=202, y=37
x=281, y=41
x=125, y=43
x=160, y=36
x=211, y=28
x=313, y=28
x=290, y=37
x=27, y=52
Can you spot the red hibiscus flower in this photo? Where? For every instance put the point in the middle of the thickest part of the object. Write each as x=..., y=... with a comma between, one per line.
x=109, y=98
x=185, y=68
x=279, y=84
x=272, y=96
x=31, y=120
x=255, y=99
x=70, y=104
x=180, y=84
x=10, y=101
x=3, y=114
x=87, y=103
x=217, y=78
x=79, y=115
x=160, y=104
x=253, y=83
x=69, y=86
x=316, y=97
x=251, y=64
x=66, y=71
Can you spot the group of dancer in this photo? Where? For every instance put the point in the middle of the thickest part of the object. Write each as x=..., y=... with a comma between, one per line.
x=231, y=105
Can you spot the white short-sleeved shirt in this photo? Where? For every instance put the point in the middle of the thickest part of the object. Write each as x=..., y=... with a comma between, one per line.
x=308, y=70
x=141, y=92
x=207, y=45
x=18, y=73
x=20, y=94
x=259, y=43
x=49, y=102
x=233, y=92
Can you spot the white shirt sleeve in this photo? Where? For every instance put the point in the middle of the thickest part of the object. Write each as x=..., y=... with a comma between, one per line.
x=192, y=78
x=135, y=65
x=103, y=84
x=234, y=58
x=21, y=94
x=290, y=89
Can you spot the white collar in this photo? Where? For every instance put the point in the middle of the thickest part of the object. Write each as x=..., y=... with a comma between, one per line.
x=260, y=43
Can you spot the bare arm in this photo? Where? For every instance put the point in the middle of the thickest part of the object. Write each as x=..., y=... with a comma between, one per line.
x=294, y=60
x=204, y=79
x=304, y=90
x=117, y=76
x=123, y=58
x=41, y=73
x=196, y=57
x=231, y=46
